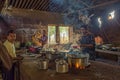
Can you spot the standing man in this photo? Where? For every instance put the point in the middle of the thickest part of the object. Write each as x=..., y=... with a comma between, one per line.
x=9, y=44
x=87, y=42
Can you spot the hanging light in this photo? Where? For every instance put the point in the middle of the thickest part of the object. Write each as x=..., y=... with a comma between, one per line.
x=100, y=22
x=111, y=15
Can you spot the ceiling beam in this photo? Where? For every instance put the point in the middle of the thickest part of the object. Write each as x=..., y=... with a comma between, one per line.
x=27, y=3
x=16, y=3
x=100, y=5
x=5, y=3
x=43, y=5
x=20, y=3
x=46, y=7
x=23, y=3
x=30, y=4
x=12, y=3
x=84, y=3
x=33, y=5
x=2, y=4
x=37, y=4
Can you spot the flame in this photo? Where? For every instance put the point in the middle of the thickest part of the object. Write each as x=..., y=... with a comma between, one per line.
x=77, y=65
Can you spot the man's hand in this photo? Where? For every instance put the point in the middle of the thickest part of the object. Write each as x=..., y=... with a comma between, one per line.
x=18, y=58
x=22, y=51
x=86, y=45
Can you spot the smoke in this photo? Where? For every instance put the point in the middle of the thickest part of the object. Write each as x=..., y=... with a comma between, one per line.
x=72, y=13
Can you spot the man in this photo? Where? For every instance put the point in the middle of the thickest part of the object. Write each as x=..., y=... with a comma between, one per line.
x=87, y=42
x=9, y=44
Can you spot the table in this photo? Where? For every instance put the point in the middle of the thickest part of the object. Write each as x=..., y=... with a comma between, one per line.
x=98, y=51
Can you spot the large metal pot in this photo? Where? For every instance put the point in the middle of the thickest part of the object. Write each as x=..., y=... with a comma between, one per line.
x=61, y=66
x=79, y=59
x=78, y=62
x=43, y=63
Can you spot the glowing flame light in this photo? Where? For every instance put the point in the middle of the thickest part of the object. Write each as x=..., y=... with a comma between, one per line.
x=77, y=65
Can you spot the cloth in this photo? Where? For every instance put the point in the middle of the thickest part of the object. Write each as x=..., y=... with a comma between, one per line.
x=11, y=48
x=8, y=74
x=44, y=40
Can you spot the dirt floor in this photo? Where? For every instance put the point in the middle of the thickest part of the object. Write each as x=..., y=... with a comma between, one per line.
x=97, y=71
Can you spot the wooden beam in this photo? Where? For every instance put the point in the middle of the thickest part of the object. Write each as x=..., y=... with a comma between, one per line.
x=27, y=3
x=16, y=3
x=54, y=18
x=34, y=3
x=23, y=3
x=39, y=5
x=46, y=7
x=30, y=4
x=20, y=3
x=12, y=2
x=43, y=5
x=2, y=4
x=100, y=5
x=84, y=3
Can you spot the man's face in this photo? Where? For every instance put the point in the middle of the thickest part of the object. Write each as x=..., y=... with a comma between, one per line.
x=11, y=37
x=83, y=30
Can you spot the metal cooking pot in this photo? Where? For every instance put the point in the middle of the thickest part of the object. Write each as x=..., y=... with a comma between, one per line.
x=81, y=61
x=61, y=66
x=43, y=63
